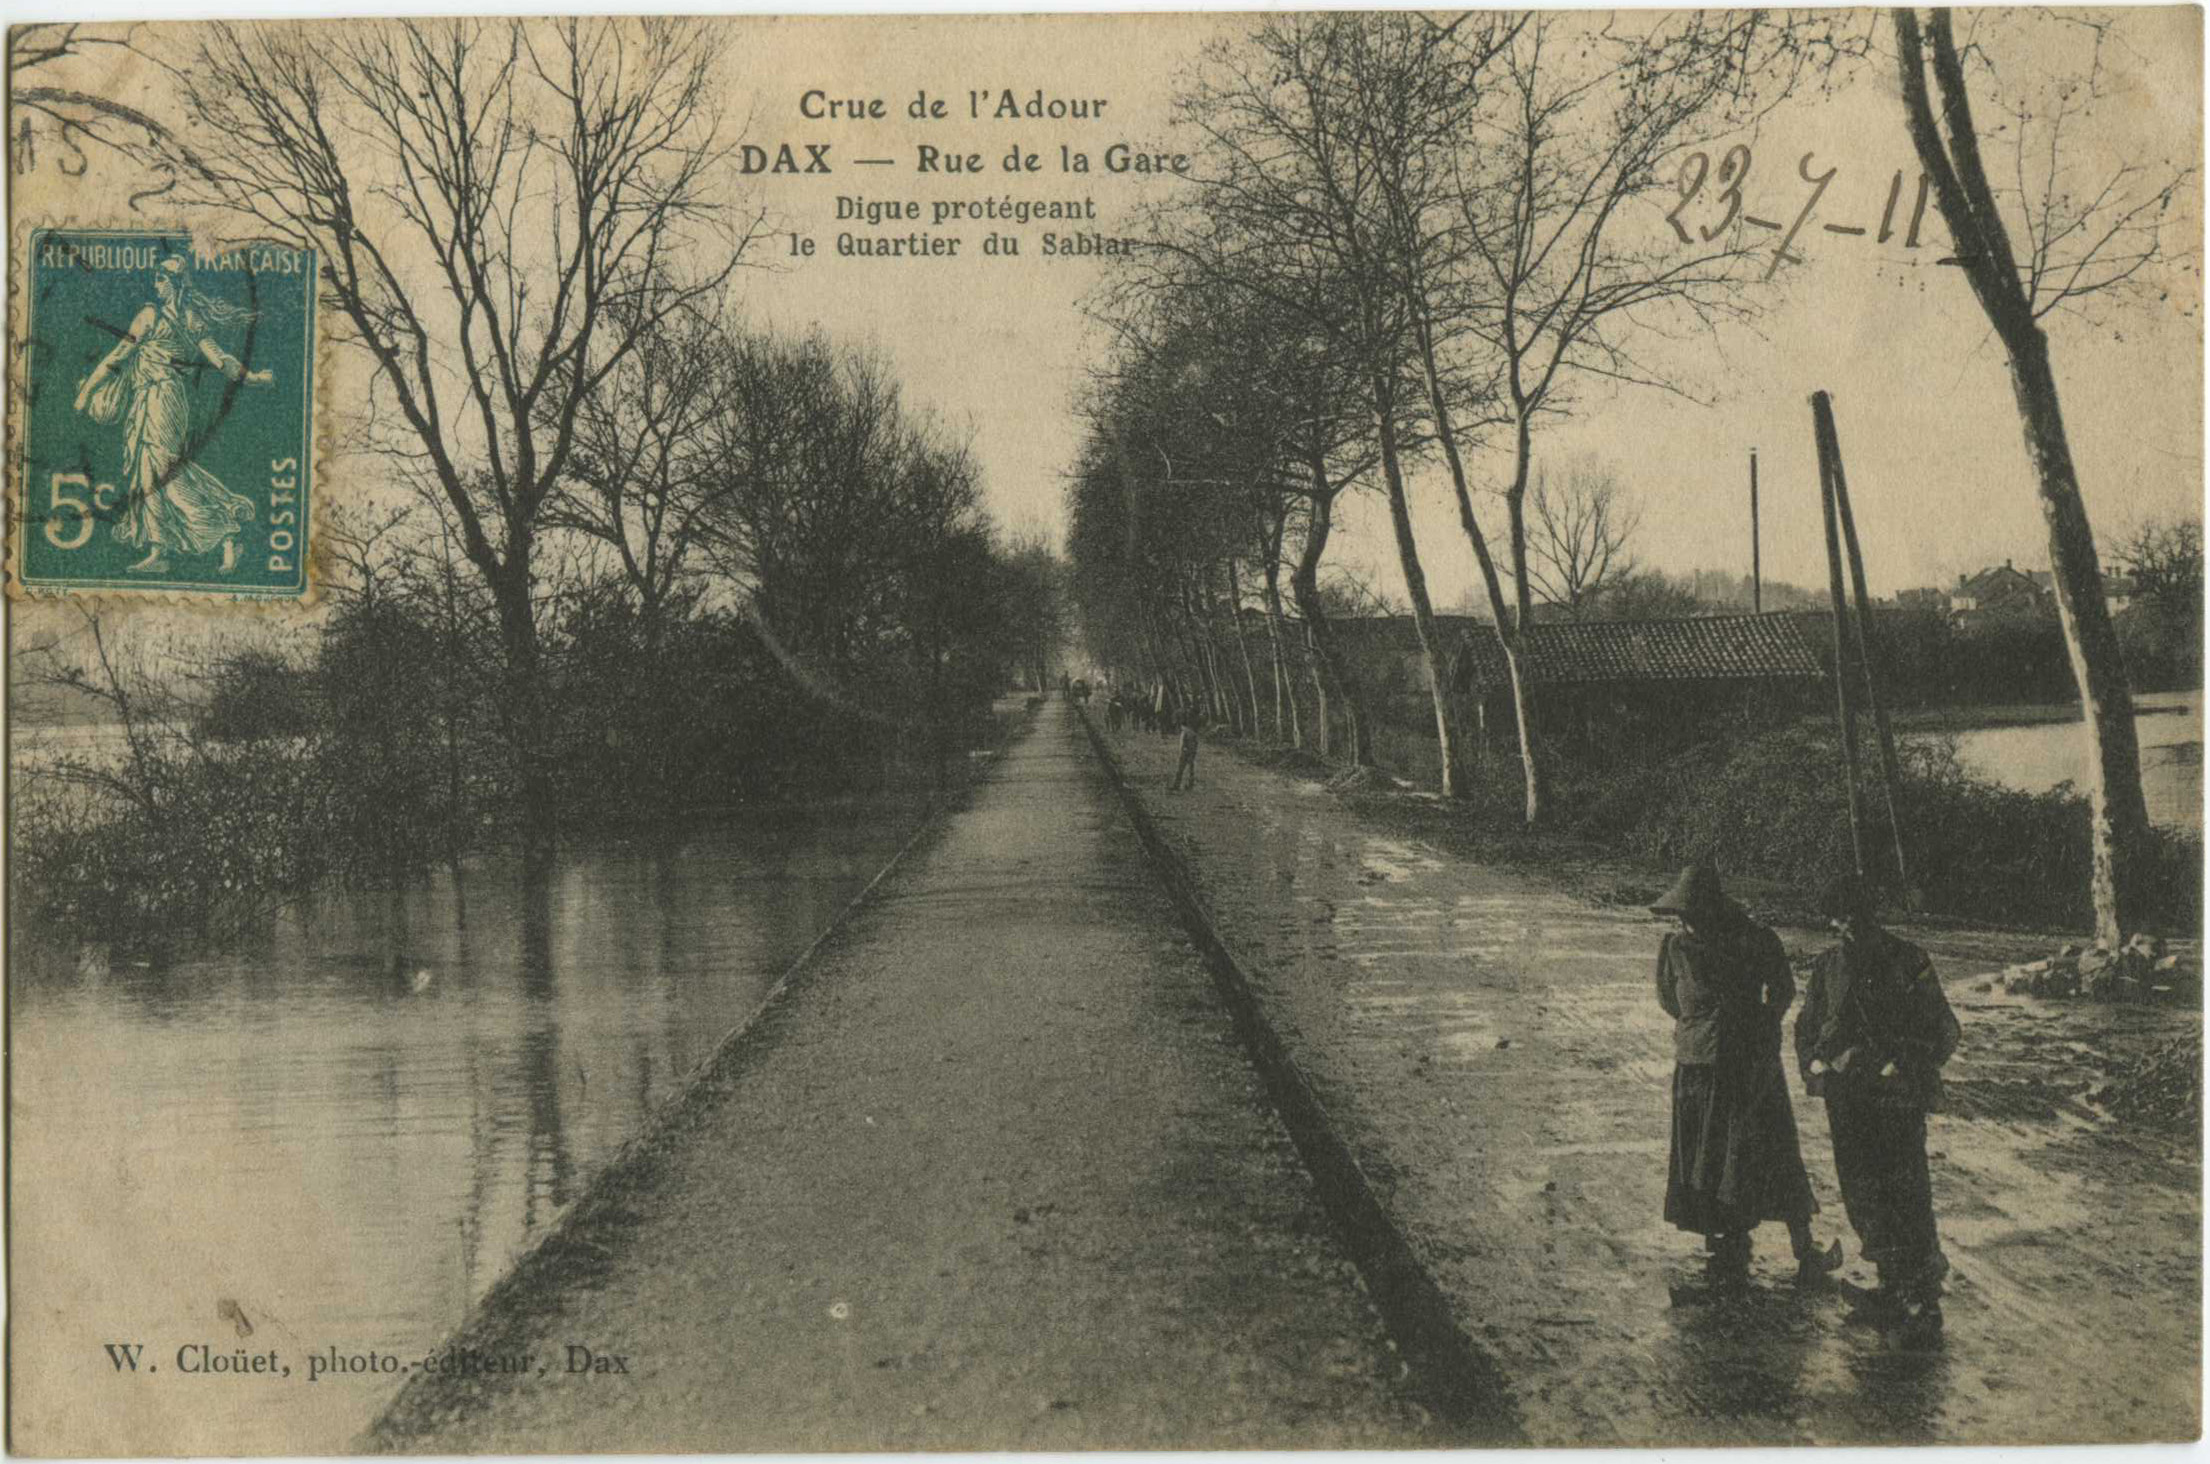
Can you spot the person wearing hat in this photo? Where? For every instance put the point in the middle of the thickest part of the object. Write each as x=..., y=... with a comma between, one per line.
x=1735, y=1160
x=1871, y=1039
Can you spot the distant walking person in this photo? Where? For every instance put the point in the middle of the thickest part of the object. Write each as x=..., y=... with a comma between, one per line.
x=1188, y=763
x=1734, y=1161
x=1873, y=1034
x=1116, y=712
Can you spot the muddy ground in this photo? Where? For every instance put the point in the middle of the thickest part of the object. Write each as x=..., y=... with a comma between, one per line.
x=1487, y=1039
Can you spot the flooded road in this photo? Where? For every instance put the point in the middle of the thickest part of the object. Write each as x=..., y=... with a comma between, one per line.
x=1490, y=1046
x=366, y=1114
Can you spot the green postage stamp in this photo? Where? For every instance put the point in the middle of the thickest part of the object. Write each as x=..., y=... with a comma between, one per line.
x=167, y=417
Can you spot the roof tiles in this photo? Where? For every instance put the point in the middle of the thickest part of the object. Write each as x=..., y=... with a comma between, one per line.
x=1705, y=648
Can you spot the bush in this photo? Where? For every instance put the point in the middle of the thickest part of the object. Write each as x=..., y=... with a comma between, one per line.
x=1775, y=808
x=194, y=839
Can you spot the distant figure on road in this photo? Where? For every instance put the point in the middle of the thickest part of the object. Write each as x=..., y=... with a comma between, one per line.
x=1188, y=763
x=1116, y=712
x=1735, y=1160
x=1873, y=1034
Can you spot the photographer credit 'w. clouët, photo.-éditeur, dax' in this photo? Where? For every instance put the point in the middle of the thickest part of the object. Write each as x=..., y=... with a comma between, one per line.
x=1267, y=730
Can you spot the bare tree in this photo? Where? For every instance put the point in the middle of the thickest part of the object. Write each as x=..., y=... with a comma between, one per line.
x=1543, y=282
x=2164, y=558
x=1324, y=132
x=2083, y=240
x=504, y=211
x=642, y=477
x=1578, y=528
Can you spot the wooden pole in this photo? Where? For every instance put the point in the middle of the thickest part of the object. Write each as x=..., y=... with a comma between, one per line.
x=1830, y=448
x=1844, y=711
x=1757, y=570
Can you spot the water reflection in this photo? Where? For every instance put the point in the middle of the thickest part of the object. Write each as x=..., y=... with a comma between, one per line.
x=351, y=1125
x=2037, y=758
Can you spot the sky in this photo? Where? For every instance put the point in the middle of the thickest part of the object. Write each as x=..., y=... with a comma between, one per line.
x=1930, y=435
x=1929, y=431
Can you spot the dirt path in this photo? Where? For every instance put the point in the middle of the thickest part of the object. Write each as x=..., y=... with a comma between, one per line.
x=1490, y=1047
x=993, y=1175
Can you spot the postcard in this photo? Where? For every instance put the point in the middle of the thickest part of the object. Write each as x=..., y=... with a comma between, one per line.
x=1258, y=730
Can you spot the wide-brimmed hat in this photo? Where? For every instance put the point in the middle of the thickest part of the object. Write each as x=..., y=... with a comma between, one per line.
x=1696, y=892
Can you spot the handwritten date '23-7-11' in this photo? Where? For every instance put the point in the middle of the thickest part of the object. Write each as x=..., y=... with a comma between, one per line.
x=1734, y=170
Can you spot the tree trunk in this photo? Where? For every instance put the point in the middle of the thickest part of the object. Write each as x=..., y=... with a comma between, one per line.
x=1509, y=627
x=1243, y=648
x=1423, y=614
x=1327, y=660
x=525, y=709
x=2118, y=813
x=1216, y=662
x=1515, y=523
x=1285, y=690
x=1532, y=768
x=2118, y=809
x=1326, y=746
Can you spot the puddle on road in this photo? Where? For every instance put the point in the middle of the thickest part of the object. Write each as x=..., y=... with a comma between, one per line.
x=1400, y=971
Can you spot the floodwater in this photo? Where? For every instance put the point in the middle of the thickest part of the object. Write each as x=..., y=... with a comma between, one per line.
x=2036, y=759
x=343, y=1134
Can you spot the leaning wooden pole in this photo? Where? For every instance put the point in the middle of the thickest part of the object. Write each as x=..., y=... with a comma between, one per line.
x=1844, y=709
x=1830, y=447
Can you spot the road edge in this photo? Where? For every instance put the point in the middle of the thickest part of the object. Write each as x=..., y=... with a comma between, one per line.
x=1451, y=1373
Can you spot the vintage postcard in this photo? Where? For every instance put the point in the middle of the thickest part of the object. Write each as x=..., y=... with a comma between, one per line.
x=1262, y=730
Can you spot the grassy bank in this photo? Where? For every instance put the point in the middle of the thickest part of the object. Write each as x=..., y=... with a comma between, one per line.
x=1773, y=814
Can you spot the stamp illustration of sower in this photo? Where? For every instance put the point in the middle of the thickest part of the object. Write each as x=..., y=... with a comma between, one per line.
x=168, y=416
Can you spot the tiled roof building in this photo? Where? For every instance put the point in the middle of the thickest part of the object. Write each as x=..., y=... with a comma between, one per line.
x=1628, y=652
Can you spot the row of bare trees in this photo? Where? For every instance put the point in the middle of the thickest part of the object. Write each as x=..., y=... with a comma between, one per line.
x=1412, y=242
x=531, y=234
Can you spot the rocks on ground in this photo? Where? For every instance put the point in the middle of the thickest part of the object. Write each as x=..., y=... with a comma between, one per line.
x=2139, y=970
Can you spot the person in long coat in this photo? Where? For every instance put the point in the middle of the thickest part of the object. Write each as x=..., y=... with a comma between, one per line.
x=1871, y=1039
x=1735, y=1161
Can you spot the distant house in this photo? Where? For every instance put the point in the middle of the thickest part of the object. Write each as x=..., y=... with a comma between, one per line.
x=2009, y=594
x=2003, y=593
x=1933, y=600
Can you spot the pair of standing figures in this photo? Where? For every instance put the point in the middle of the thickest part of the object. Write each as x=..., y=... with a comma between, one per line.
x=1870, y=1042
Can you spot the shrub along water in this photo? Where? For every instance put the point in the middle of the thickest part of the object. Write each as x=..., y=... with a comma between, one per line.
x=1774, y=808
x=376, y=757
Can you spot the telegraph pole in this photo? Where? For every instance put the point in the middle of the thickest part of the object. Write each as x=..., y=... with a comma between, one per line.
x=1757, y=575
